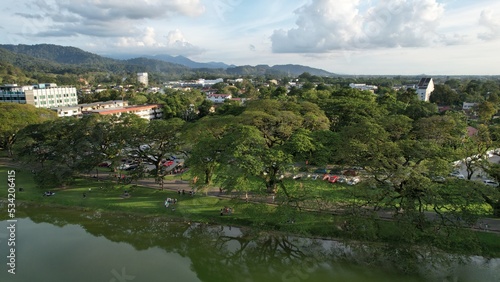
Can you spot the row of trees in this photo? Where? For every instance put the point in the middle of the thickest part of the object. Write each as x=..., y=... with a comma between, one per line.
x=402, y=144
x=400, y=141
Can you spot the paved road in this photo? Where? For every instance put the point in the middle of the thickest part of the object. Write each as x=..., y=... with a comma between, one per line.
x=487, y=224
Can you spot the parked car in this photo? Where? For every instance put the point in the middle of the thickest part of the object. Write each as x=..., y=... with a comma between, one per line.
x=353, y=181
x=457, y=174
x=124, y=166
x=490, y=183
x=104, y=164
x=342, y=180
x=321, y=171
x=350, y=172
x=439, y=179
x=132, y=166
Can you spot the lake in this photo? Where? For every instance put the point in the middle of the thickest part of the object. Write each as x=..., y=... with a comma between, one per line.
x=65, y=245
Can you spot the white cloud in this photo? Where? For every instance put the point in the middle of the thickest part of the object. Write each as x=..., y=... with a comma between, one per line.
x=492, y=23
x=326, y=25
x=176, y=43
x=110, y=18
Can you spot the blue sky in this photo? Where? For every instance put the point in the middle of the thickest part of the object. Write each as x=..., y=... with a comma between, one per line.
x=342, y=36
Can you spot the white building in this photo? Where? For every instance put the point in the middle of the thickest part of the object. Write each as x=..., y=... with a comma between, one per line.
x=218, y=98
x=44, y=95
x=142, y=77
x=209, y=82
x=425, y=88
x=364, y=87
x=69, y=111
x=468, y=106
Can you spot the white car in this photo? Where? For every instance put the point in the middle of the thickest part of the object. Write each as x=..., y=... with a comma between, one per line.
x=491, y=183
x=457, y=175
x=353, y=181
x=124, y=166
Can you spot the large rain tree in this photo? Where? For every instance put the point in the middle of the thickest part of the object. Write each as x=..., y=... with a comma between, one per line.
x=49, y=150
x=402, y=159
x=208, y=146
x=281, y=133
x=15, y=117
x=154, y=142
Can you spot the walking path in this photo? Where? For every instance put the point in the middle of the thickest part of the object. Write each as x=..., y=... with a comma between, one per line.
x=484, y=224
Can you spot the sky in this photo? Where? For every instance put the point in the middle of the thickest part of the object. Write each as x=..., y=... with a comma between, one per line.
x=358, y=37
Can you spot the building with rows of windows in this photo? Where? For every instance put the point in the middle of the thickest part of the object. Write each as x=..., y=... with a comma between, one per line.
x=44, y=95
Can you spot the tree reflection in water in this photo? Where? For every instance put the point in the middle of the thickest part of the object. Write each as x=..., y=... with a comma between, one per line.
x=221, y=253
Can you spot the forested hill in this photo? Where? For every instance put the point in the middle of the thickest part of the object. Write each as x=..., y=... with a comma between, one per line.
x=60, y=54
x=53, y=56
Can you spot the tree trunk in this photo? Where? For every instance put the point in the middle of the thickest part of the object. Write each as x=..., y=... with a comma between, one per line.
x=496, y=209
x=208, y=176
x=271, y=187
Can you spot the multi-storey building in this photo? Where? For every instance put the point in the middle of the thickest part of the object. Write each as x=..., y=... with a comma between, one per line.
x=142, y=77
x=44, y=95
x=425, y=88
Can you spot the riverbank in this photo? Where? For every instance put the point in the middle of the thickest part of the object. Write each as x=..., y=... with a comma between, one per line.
x=148, y=199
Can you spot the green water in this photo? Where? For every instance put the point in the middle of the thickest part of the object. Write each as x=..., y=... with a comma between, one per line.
x=64, y=245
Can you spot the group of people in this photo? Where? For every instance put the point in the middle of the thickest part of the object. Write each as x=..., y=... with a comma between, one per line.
x=48, y=193
x=170, y=201
x=226, y=211
x=183, y=192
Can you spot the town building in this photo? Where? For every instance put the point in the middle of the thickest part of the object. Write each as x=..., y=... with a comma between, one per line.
x=149, y=112
x=78, y=110
x=468, y=106
x=44, y=95
x=425, y=88
x=142, y=77
x=364, y=87
x=69, y=111
x=218, y=98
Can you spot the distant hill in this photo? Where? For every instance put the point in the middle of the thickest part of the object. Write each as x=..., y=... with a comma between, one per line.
x=278, y=70
x=59, y=54
x=151, y=65
x=296, y=70
x=181, y=60
x=60, y=59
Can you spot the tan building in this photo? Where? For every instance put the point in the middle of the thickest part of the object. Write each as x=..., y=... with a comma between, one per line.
x=149, y=112
x=80, y=108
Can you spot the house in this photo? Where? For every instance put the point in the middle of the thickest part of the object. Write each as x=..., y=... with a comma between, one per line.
x=468, y=106
x=68, y=111
x=425, y=88
x=218, y=98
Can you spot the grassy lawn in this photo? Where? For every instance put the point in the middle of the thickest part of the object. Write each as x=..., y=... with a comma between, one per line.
x=107, y=196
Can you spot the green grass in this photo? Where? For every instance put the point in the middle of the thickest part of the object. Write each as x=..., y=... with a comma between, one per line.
x=150, y=202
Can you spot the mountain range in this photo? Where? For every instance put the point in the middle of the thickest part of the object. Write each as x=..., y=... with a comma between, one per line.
x=56, y=58
x=181, y=60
